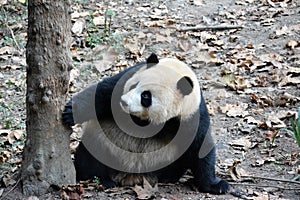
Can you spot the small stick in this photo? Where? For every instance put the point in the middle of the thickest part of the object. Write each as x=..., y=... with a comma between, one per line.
x=13, y=36
x=216, y=27
x=263, y=186
x=10, y=30
x=273, y=179
x=14, y=187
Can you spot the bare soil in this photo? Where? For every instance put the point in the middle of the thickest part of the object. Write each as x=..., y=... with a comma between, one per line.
x=250, y=77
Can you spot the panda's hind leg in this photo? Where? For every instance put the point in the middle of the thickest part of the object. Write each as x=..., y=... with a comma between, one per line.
x=88, y=168
x=204, y=175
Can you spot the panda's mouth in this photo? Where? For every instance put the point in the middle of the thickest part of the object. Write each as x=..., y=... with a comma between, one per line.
x=133, y=114
x=139, y=121
x=139, y=115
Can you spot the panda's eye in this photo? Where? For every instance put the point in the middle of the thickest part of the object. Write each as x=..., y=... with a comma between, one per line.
x=146, y=99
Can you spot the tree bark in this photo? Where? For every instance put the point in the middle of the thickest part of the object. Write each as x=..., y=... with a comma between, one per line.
x=46, y=158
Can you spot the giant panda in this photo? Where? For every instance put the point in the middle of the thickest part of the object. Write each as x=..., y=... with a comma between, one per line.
x=149, y=122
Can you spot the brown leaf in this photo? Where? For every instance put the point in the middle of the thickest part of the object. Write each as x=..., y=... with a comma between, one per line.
x=250, y=46
x=274, y=122
x=289, y=80
x=72, y=192
x=234, y=82
x=161, y=38
x=14, y=67
x=242, y=143
x=235, y=110
x=205, y=37
x=271, y=135
x=145, y=192
x=99, y=20
x=7, y=180
x=184, y=44
x=102, y=57
x=292, y=44
x=78, y=26
x=263, y=101
x=283, y=31
x=76, y=15
x=7, y=50
x=258, y=162
x=293, y=70
x=158, y=23
x=33, y=198
x=133, y=45
x=260, y=196
x=252, y=120
x=197, y=2
x=234, y=173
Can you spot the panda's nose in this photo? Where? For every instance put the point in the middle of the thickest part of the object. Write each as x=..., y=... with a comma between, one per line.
x=124, y=103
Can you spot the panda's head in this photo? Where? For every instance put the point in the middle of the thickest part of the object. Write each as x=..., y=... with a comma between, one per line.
x=161, y=90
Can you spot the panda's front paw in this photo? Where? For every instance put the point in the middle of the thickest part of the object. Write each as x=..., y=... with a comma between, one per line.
x=221, y=187
x=67, y=115
x=109, y=184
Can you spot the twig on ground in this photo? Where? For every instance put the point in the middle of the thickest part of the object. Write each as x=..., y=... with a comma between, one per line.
x=215, y=27
x=273, y=179
x=263, y=186
x=11, y=189
x=13, y=36
x=10, y=30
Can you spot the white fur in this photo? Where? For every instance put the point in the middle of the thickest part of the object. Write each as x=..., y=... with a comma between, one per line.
x=167, y=102
x=121, y=147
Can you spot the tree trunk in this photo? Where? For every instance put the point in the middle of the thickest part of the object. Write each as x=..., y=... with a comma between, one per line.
x=47, y=160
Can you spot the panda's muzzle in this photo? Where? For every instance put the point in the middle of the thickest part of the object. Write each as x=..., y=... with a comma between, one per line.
x=123, y=103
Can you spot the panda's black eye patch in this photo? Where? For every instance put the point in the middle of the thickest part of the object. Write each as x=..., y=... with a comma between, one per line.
x=146, y=99
x=133, y=86
x=185, y=85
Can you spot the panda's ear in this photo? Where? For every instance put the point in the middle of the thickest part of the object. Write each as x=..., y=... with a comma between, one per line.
x=185, y=85
x=152, y=60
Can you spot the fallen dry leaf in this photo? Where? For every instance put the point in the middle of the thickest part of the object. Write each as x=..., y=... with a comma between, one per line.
x=271, y=135
x=162, y=38
x=33, y=198
x=263, y=101
x=145, y=192
x=252, y=120
x=274, y=122
x=292, y=44
x=289, y=80
x=76, y=15
x=283, y=31
x=259, y=162
x=99, y=20
x=184, y=44
x=8, y=181
x=242, y=143
x=197, y=2
x=234, y=173
x=260, y=196
x=235, y=82
x=102, y=57
x=72, y=192
x=78, y=26
x=7, y=50
x=133, y=45
x=235, y=110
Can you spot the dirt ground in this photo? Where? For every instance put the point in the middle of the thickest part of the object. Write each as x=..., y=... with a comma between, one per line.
x=250, y=75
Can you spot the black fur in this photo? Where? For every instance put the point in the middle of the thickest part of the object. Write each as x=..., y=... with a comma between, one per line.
x=203, y=169
x=152, y=60
x=185, y=85
x=146, y=99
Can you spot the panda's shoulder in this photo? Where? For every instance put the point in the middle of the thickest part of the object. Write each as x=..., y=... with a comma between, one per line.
x=125, y=74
